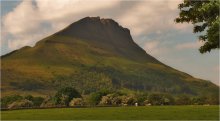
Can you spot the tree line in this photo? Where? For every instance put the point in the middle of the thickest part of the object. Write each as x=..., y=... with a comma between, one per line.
x=69, y=96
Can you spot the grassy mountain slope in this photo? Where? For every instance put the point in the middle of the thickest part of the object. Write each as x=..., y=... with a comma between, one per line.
x=93, y=54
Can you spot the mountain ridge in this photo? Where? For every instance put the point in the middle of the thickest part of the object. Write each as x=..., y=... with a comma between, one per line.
x=92, y=54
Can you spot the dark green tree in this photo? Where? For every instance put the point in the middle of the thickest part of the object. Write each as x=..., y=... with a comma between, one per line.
x=5, y=101
x=155, y=99
x=168, y=99
x=200, y=100
x=161, y=99
x=65, y=95
x=37, y=101
x=141, y=98
x=183, y=100
x=212, y=100
x=29, y=97
x=96, y=97
x=204, y=15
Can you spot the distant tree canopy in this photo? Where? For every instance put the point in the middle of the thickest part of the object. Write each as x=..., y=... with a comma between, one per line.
x=204, y=15
x=68, y=96
x=65, y=95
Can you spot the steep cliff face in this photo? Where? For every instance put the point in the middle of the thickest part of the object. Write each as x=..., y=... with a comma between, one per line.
x=92, y=54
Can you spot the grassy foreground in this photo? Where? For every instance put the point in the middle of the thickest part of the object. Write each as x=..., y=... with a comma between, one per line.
x=117, y=113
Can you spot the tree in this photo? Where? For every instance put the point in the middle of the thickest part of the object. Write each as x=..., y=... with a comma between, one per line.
x=65, y=95
x=37, y=101
x=96, y=97
x=29, y=97
x=204, y=15
x=160, y=99
x=212, y=100
x=141, y=98
x=111, y=99
x=20, y=104
x=168, y=99
x=48, y=102
x=5, y=101
x=183, y=100
x=155, y=99
x=200, y=100
x=128, y=100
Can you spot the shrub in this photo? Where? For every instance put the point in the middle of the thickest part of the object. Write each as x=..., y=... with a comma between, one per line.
x=65, y=95
x=20, y=104
x=128, y=100
x=48, y=102
x=29, y=97
x=212, y=100
x=168, y=99
x=111, y=99
x=146, y=103
x=155, y=99
x=141, y=98
x=116, y=100
x=5, y=101
x=96, y=97
x=106, y=100
x=183, y=100
x=199, y=100
x=160, y=99
x=76, y=102
x=37, y=101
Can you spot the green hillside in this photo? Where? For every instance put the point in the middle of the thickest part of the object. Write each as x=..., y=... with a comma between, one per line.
x=93, y=54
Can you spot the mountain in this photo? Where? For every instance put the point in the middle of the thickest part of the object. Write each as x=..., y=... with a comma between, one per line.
x=93, y=54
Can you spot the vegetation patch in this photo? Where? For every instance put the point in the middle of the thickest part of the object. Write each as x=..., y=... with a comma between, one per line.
x=68, y=96
x=117, y=113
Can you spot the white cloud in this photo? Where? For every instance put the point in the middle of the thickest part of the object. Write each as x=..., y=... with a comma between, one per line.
x=16, y=44
x=189, y=45
x=151, y=45
x=64, y=8
x=152, y=16
x=155, y=48
x=22, y=26
x=24, y=18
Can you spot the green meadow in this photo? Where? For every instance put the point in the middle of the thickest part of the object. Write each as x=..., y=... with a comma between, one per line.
x=117, y=113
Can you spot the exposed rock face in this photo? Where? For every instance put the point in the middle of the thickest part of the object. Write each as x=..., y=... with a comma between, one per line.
x=107, y=34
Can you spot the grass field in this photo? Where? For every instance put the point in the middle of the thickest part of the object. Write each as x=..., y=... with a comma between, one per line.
x=117, y=113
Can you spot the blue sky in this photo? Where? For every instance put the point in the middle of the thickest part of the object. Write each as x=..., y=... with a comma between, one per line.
x=151, y=23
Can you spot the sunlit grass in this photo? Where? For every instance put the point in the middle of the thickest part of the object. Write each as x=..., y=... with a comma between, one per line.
x=117, y=113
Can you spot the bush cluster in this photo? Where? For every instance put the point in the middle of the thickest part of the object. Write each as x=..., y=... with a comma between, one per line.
x=17, y=101
x=68, y=96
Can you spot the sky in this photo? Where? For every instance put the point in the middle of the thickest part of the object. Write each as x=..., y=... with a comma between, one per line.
x=151, y=22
